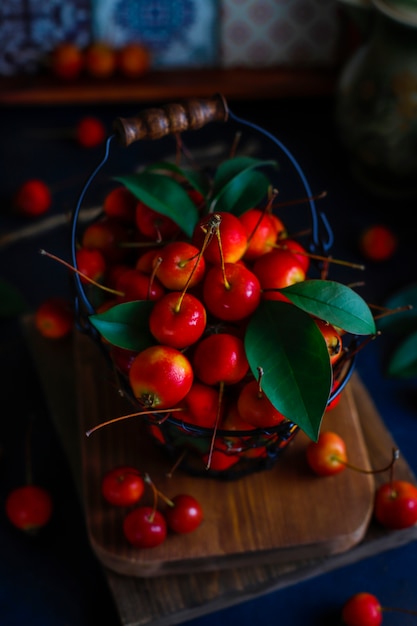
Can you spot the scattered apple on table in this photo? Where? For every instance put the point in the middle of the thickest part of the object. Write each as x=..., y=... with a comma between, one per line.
x=33, y=198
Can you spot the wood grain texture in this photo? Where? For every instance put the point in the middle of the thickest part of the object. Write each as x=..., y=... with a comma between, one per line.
x=171, y=599
x=239, y=83
x=282, y=514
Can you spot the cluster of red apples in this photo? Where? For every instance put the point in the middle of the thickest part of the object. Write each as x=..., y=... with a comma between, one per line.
x=197, y=296
x=147, y=525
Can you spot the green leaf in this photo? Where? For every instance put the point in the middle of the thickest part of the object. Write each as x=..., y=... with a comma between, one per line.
x=11, y=300
x=195, y=178
x=165, y=195
x=403, y=363
x=237, y=187
x=292, y=352
x=333, y=302
x=404, y=321
x=126, y=325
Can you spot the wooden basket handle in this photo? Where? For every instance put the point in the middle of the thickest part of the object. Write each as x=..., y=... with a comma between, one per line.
x=172, y=118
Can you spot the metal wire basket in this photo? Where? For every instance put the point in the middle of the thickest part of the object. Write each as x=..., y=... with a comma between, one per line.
x=225, y=454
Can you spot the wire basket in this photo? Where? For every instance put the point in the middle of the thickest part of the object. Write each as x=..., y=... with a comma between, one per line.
x=219, y=453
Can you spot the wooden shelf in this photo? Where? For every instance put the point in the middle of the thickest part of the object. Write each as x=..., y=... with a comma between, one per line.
x=242, y=83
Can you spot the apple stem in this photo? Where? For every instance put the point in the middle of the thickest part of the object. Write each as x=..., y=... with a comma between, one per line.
x=213, y=438
x=318, y=196
x=208, y=234
x=176, y=464
x=235, y=144
x=73, y=269
x=264, y=212
x=390, y=466
x=385, y=312
x=260, y=376
x=125, y=417
x=157, y=493
x=158, y=262
x=319, y=257
x=149, y=482
x=395, y=609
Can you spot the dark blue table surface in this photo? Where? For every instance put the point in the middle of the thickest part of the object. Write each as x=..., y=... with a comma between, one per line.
x=53, y=579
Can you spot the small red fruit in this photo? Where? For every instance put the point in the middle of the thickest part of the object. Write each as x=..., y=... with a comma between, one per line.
x=396, y=504
x=160, y=377
x=178, y=320
x=178, y=263
x=362, y=609
x=100, y=60
x=233, y=239
x=135, y=285
x=276, y=270
x=54, y=318
x=33, y=198
x=261, y=231
x=185, y=515
x=327, y=456
x=107, y=235
x=255, y=408
x=201, y=406
x=29, y=507
x=122, y=486
x=154, y=225
x=378, y=243
x=232, y=295
x=67, y=61
x=133, y=60
x=120, y=203
x=91, y=263
x=145, y=527
x=90, y=132
x=332, y=338
x=220, y=358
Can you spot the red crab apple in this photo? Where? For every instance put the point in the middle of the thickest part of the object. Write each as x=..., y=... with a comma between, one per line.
x=332, y=338
x=232, y=236
x=327, y=456
x=100, y=60
x=54, y=317
x=145, y=527
x=221, y=459
x=262, y=232
x=220, y=358
x=133, y=60
x=136, y=285
x=153, y=224
x=120, y=203
x=296, y=248
x=378, y=243
x=201, y=405
x=232, y=294
x=107, y=235
x=396, y=504
x=29, y=507
x=90, y=132
x=122, y=486
x=67, y=61
x=178, y=265
x=184, y=514
x=255, y=407
x=90, y=263
x=177, y=319
x=276, y=270
x=362, y=609
x=33, y=198
x=160, y=377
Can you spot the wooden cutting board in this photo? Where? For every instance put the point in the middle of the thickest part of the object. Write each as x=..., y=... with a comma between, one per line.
x=285, y=513
x=166, y=600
